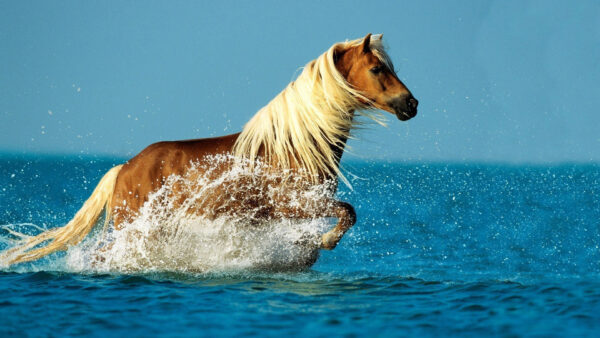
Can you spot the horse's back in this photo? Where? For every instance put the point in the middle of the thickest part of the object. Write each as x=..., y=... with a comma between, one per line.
x=148, y=170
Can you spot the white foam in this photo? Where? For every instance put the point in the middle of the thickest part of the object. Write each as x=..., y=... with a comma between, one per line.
x=166, y=237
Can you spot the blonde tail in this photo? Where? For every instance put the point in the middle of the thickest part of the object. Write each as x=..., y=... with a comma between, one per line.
x=74, y=231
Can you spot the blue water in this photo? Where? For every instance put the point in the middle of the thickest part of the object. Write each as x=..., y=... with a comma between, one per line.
x=439, y=249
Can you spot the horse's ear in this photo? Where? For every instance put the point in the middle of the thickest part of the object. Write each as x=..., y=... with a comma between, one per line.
x=365, y=47
x=337, y=54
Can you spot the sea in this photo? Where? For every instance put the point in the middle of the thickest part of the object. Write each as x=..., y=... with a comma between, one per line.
x=439, y=249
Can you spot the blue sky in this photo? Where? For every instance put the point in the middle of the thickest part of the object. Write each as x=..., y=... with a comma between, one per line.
x=507, y=81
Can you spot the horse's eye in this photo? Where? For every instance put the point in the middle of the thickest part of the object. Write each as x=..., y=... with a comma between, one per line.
x=376, y=70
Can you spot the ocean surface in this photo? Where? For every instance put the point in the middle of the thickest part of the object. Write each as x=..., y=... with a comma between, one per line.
x=438, y=250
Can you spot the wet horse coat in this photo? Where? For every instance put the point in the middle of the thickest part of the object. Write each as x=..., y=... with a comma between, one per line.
x=301, y=133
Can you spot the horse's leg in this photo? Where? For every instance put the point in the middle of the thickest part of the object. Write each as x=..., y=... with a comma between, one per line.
x=343, y=211
x=346, y=219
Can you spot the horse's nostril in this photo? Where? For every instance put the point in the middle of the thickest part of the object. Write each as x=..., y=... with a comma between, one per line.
x=413, y=103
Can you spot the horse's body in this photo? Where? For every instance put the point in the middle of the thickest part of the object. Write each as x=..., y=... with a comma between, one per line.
x=147, y=171
x=301, y=133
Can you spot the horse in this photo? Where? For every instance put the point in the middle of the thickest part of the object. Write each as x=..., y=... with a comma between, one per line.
x=302, y=132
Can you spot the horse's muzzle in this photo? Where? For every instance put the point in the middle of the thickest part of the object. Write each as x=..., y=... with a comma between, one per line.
x=405, y=107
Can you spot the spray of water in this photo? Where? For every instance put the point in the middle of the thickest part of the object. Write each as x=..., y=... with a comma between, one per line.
x=191, y=235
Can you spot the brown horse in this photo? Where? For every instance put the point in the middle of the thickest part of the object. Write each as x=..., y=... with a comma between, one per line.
x=302, y=132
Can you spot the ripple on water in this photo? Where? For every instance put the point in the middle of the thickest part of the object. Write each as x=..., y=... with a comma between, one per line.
x=438, y=250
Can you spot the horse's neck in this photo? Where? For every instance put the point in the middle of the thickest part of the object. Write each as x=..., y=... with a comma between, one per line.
x=338, y=149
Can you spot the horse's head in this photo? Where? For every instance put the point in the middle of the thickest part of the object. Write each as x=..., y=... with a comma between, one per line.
x=369, y=71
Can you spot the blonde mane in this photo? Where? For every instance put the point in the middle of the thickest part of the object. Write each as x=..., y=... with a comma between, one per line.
x=303, y=125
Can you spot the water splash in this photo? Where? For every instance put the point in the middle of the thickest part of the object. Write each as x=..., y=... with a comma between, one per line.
x=211, y=219
x=200, y=245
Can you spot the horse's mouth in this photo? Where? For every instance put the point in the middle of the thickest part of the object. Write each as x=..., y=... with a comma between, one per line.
x=405, y=107
x=404, y=115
